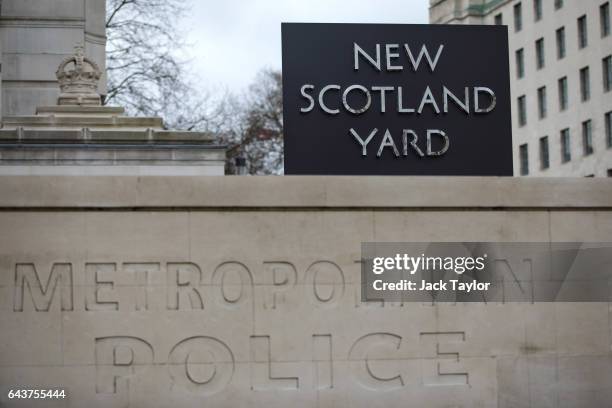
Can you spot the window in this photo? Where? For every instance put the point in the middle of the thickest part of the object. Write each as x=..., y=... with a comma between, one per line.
x=558, y=4
x=544, y=157
x=520, y=63
x=604, y=18
x=585, y=86
x=539, y=45
x=608, y=120
x=607, y=73
x=561, y=43
x=524, y=159
x=499, y=19
x=562, y=93
x=522, y=111
x=566, y=153
x=542, y=102
x=582, y=32
x=537, y=9
x=518, y=17
x=587, y=138
x=609, y=172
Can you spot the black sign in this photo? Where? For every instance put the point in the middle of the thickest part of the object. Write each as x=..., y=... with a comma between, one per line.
x=396, y=99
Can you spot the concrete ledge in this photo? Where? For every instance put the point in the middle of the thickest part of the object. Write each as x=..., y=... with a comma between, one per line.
x=41, y=135
x=69, y=109
x=82, y=192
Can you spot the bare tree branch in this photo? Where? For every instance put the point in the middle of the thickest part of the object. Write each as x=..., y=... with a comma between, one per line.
x=257, y=132
x=146, y=76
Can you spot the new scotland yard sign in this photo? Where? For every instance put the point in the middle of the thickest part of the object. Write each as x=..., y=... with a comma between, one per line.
x=396, y=99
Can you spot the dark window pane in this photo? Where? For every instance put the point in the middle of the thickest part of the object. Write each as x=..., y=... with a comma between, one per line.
x=544, y=157
x=604, y=18
x=561, y=43
x=608, y=129
x=563, y=93
x=607, y=73
x=520, y=63
x=585, y=84
x=539, y=45
x=582, y=32
x=522, y=111
x=566, y=153
x=537, y=9
x=542, y=102
x=524, y=159
x=518, y=17
x=587, y=138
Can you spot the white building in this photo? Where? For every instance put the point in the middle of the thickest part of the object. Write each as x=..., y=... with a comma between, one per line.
x=561, y=79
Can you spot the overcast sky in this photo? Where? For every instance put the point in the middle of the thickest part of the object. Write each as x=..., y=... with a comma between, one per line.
x=232, y=39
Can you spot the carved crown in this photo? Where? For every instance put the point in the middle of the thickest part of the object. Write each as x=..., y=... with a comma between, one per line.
x=78, y=78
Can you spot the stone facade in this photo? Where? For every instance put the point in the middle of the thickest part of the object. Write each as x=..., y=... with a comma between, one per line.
x=36, y=36
x=555, y=15
x=244, y=292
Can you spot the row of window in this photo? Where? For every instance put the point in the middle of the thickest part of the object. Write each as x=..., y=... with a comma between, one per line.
x=562, y=91
x=561, y=47
x=565, y=143
x=604, y=18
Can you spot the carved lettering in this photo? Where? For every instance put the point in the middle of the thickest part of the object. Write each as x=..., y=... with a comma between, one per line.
x=263, y=374
x=445, y=368
x=327, y=282
x=183, y=281
x=59, y=281
x=284, y=277
x=101, y=280
x=234, y=283
x=117, y=359
x=322, y=358
x=201, y=364
x=139, y=273
x=362, y=355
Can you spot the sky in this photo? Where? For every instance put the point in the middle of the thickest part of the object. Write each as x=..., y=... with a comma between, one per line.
x=231, y=40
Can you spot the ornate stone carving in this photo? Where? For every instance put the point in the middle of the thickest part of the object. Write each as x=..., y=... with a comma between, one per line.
x=78, y=78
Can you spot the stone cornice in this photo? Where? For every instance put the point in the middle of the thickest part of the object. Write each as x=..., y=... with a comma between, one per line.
x=304, y=192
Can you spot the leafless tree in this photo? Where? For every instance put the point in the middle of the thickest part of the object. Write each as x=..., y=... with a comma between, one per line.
x=257, y=133
x=146, y=74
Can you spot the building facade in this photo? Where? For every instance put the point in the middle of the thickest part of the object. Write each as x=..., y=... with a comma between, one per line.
x=561, y=80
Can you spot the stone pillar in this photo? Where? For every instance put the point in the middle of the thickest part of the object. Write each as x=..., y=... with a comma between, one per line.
x=1, y=67
x=36, y=36
x=95, y=37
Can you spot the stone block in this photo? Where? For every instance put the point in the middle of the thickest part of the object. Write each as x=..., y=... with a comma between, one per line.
x=30, y=339
x=178, y=291
x=60, y=9
x=570, y=226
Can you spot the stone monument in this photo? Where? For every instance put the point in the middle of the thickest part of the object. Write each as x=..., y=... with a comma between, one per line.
x=78, y=78
x=80, y=136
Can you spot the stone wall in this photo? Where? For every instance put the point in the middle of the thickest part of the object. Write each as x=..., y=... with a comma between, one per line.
x=244, y=292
